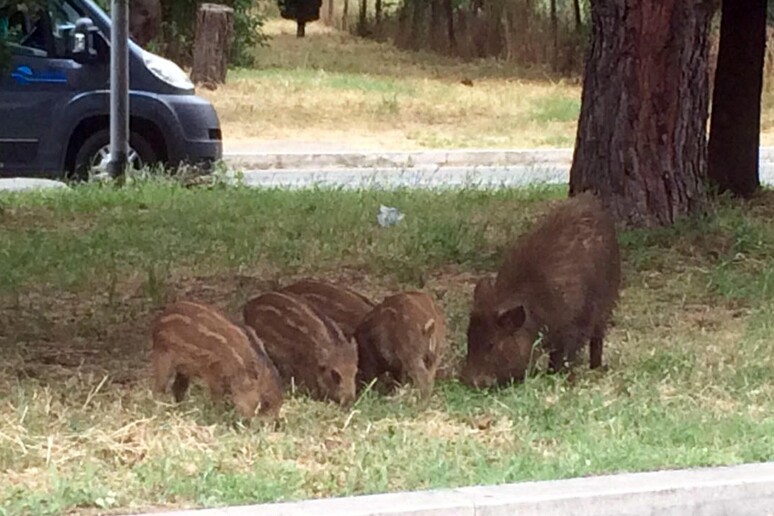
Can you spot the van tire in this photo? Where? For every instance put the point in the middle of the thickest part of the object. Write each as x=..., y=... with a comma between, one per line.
x=92, y=145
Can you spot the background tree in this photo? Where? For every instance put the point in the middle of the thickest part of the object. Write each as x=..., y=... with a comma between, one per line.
x=302, y=11
x=641, y=141
x=736, y=98
x=145, y=21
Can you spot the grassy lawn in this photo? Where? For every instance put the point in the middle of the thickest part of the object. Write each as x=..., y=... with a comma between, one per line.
x=333, y=88
x=81, y=274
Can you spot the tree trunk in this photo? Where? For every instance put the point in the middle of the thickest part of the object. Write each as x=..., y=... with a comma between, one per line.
x=449, y=8
x=362, y=23
x=144, y=21
x=554, y=37
x=435, y=25
x=378, y=17
x=641, y=143
x=576, y=11
x=300, y=29
x=214, y=35
x=417, y=24
x=736, y=99
x=330, y=12
x=345, y=16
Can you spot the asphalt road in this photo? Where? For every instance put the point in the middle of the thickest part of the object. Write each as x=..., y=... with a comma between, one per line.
x=484, y=177
x=426, y=177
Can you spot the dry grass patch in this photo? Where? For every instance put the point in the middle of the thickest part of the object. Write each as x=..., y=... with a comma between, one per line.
x=333, y=90
x=336, y=88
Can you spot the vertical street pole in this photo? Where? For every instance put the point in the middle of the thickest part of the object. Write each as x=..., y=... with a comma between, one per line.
x=119, y=89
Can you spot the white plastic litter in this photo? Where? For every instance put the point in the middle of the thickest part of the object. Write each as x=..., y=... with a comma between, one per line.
x=388, y=216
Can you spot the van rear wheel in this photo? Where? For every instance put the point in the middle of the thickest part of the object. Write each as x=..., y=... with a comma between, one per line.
x=95, y=151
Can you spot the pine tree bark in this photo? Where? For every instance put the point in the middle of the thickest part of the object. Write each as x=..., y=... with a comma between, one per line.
x=736, y=98
x=214, y=35
x=641, y=142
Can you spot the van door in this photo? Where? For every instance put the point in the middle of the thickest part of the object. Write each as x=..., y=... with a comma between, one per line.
x=40, y=80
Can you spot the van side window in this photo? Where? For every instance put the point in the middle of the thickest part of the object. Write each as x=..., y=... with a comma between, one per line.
x=44, y=32
x=29, y=33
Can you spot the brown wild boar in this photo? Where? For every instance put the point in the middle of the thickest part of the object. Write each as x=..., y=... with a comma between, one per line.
x=196, y=340
x=404, y=338
x=559, y=286
x=341, y=304
x=305, y=345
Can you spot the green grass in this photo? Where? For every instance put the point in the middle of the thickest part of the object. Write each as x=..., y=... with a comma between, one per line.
x=690, y=354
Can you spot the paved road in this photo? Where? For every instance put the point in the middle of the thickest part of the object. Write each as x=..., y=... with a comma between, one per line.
x=424, y=177
x=430, y=177
x=391, y=176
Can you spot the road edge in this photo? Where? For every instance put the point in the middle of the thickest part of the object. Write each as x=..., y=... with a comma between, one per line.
x=742, y=490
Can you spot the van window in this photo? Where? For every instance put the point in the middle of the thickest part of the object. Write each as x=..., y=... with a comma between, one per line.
x=44, y=32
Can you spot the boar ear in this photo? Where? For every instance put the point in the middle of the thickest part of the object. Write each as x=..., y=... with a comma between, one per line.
x=483, y=290
x=334, y=374
x=429, y=327
x=512, y=318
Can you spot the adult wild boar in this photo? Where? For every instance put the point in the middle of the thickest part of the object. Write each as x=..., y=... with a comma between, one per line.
x=558, y=285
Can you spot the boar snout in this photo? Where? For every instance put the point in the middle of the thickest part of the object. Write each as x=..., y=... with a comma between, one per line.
x=476, y=379
x=346, y=397
x=269, y=409
x=423, y=380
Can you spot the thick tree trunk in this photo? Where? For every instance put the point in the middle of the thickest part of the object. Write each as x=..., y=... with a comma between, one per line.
x=300, y=29
x=214, y=35
x=736, y=99
x=641, y=142
x=345, y=16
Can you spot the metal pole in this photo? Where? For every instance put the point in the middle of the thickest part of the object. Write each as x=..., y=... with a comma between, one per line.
x=119, y=89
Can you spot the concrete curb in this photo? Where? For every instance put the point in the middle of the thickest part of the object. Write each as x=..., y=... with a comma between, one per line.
x=739, y=490
x=410, y=159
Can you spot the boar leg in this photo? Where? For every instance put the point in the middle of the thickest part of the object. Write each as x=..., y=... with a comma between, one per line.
x=180, y=386
x=595, y=347
x=215, y=385
x=557, y=354
x=163, y=369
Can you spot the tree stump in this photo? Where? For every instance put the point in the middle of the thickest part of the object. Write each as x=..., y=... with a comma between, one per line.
x=214, y=35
